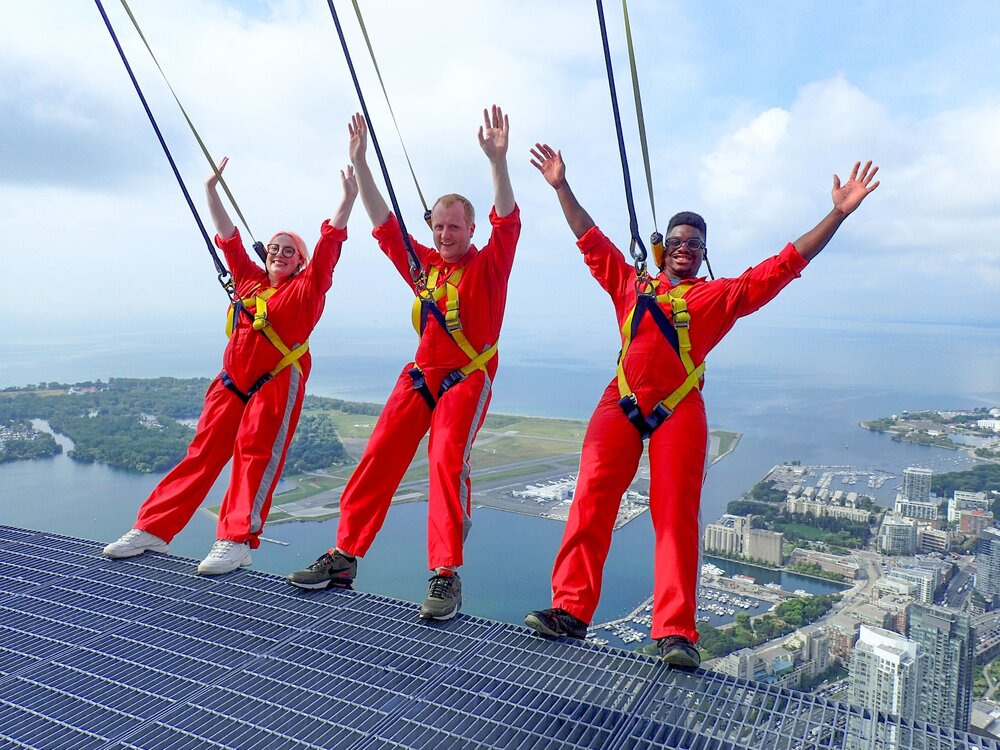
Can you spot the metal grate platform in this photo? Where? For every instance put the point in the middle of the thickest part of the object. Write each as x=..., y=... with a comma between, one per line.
x=144, y=653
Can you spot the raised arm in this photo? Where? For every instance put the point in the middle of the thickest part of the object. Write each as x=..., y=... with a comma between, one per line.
x=493, y=140
x=224, y=226
x=846, y=198
x=343, y=213
x=549, y=162
x=375, y=205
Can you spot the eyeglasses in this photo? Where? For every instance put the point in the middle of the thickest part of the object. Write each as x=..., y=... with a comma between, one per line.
x=693, y=244
x=286, y=252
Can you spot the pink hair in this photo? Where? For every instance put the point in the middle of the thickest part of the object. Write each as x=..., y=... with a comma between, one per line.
x=297, y=241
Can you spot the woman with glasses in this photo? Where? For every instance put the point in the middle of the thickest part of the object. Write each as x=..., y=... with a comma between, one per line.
x=667, y=331
x=252, y=407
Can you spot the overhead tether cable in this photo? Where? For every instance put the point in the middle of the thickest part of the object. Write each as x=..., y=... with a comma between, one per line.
x=656, y=239
x=371, y=52
x=225, y=278
x=636, y=248
x=639, y=118
x=257, y=246
x=416, y=268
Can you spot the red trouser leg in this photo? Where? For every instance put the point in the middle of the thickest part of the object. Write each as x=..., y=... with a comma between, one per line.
x=454, y=424
x=677, y=469
x=262, y=441
x=175, y=499
x=366, y=498
x=611, y=451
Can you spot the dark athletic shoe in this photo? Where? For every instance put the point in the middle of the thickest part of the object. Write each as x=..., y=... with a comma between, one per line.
x=330, y=569
x=444, y=597
x=678, y=652
x=556, y=623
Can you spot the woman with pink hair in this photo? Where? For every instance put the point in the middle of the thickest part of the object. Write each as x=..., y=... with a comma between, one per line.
x=252, y=407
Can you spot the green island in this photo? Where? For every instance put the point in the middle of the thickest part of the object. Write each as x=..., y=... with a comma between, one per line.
x=145, y=425
x=952, y=430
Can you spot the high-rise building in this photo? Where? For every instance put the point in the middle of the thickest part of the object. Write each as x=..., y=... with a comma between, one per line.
x=948, y=640
x=885, y=673
x=733, y=535
x=988, y=565
x=898, y=535
x=917, y=484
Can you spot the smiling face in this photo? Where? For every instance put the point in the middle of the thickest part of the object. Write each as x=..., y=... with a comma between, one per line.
x=452, y=230
x=279, y=267
x=683, y=262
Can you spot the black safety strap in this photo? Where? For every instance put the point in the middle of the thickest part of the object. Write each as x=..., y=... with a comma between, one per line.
x=225, y=278
x=637, y=249
x=245, y=397
x=371, y=52
x=416, y=268
x=257, y=246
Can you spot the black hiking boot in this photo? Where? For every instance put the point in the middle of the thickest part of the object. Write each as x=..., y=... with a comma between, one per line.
x=556, y=623
x=678, y=652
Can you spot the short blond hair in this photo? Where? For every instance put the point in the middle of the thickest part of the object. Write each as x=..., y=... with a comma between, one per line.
x=450, y=198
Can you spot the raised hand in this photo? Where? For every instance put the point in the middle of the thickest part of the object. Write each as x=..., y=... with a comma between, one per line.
x=493, y=134
x=349, y=182
x=848, y=196
x=549, y=162
x=358, y=130
x=213, y=179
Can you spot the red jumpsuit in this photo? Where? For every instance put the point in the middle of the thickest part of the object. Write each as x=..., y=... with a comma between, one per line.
x=254, y=434
x=459, y=413
x=677, y=449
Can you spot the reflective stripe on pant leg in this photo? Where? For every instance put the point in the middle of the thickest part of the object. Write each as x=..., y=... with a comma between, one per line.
x=278, y=450
x=677, y=465
x=611, y=451
x=454, y=424
x=261, y=443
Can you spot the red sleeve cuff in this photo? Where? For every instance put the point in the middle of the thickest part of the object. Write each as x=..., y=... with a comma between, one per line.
x=514, y=217
x=232, y=243
x=332, y=232
x=793, y=258
x=591, y=238
x=387, y=228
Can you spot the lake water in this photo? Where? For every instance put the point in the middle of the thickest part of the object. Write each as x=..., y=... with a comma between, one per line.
x=795, y=392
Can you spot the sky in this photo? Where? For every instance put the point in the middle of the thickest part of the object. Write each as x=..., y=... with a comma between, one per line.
x=750, y=109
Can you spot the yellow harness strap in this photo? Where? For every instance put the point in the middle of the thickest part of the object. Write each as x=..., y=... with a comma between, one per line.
x=261, y=323
x=682, y=323
x=448, y=290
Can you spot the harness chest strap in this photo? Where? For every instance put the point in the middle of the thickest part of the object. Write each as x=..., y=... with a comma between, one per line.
x=290, y=356
x=427, y=300
x=681, y=326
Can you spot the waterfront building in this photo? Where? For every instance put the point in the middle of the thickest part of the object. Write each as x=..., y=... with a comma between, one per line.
x=732, y=536
x=923, y=511
x=948, y=640
x=885, y=673
x=917, y=484
x=844, y=565
x=989, y=424
x=964, y=500
x=988, y=565
x=806, y=505
x=898, y=535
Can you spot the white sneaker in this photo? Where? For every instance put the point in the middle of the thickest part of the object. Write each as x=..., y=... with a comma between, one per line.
x=135, y=542
x=225, y=557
